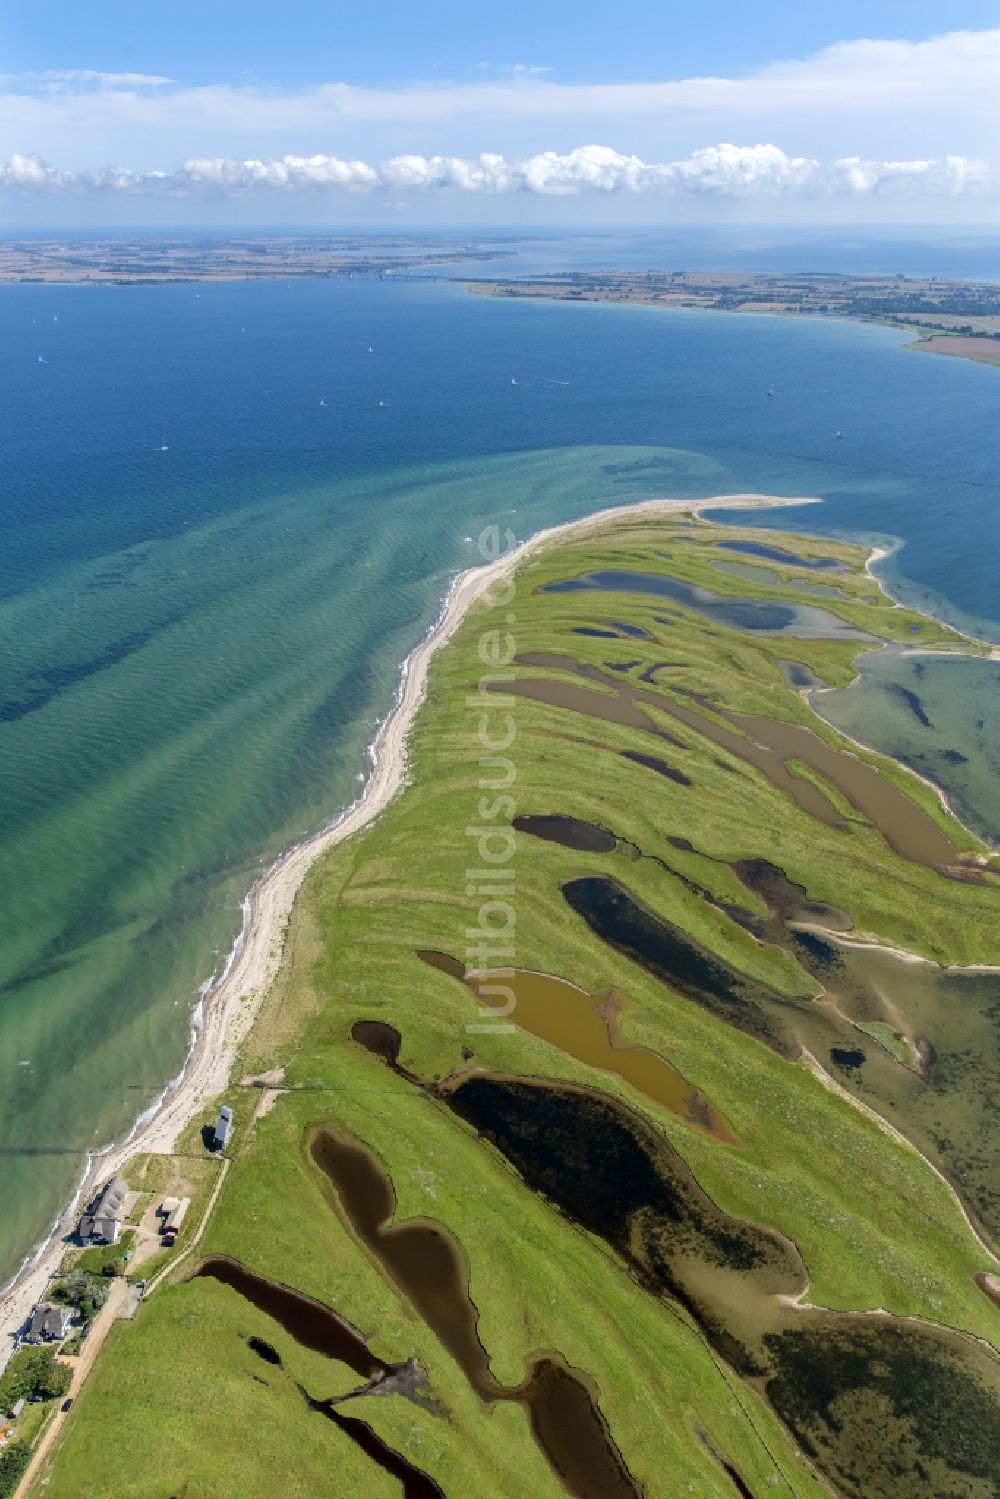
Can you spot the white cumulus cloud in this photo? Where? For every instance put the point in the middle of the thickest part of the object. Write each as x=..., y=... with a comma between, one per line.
x=884, y=100
x=726, y=170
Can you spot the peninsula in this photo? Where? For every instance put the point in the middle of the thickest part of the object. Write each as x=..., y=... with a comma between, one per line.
x=606, y=1117
x=947, y=316
x=144, y=260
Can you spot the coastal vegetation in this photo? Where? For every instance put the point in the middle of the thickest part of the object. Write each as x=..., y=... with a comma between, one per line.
x=618, y=1120
x=948, y=316
x=14, y=1459
x=107, y=1259
x=33, y=1373
x=86, y=1290
x=147, y=262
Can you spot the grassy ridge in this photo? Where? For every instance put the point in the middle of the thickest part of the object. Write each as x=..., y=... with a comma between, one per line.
x=875, y=1225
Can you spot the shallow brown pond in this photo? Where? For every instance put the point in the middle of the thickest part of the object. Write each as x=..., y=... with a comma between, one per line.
x=887, y=1408
x=766, y=743
x=414, y=1484
x=929, y=1060
x=626, y=706
x=671, y=955
x=903, y=825
x=653, y=762
x=309, y=1322
x=570, y=832
x=427, y=1266
x=378, y=1037
x=585, y=1026
x=316, y=1326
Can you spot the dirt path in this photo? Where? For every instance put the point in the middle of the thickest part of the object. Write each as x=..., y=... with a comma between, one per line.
x=117, y=1305
x=231, y=1006
x=82, y=1365
x=171, y=1265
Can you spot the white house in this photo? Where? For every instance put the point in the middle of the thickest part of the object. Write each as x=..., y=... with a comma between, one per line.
x=103, y=1223
x=49, y=1323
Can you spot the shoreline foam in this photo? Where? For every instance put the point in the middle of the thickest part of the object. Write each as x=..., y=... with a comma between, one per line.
x=229, y=1002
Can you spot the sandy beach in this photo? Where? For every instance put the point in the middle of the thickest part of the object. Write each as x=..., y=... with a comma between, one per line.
x=230, y=1006
x=878, y=554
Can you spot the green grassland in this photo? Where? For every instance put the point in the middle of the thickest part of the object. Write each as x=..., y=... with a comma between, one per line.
x=179, y=1405
x=103, y=1257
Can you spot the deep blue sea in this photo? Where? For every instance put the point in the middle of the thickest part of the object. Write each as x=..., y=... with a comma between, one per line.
x=228, y=512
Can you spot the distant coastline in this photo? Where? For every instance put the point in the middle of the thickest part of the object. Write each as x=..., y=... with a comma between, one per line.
x=170, y=261
x=946, y=316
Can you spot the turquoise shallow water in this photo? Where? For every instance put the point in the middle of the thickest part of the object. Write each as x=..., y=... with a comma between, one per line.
x=198, y=642
x=938, y=716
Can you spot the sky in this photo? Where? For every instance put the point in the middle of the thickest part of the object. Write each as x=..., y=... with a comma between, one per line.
x=882, y=112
